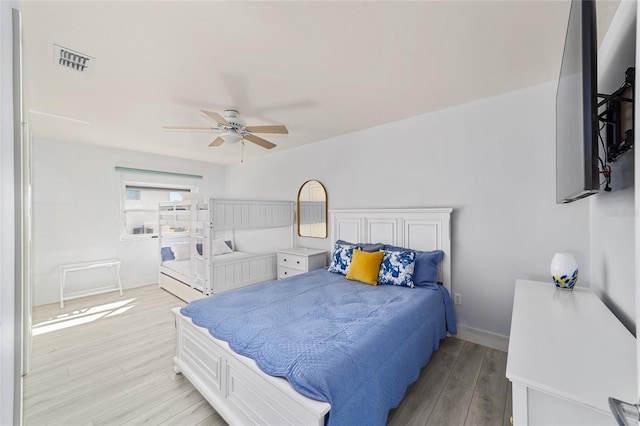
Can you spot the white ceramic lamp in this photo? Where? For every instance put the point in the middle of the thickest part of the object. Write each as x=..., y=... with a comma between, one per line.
x=564, y=270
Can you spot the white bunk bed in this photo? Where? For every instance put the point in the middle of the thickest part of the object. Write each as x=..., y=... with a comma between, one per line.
x=190, y=231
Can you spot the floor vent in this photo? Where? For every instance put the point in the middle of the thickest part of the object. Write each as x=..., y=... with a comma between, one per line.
x=73, y=60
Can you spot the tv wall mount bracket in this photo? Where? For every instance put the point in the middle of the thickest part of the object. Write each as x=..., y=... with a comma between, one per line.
x=619, y=140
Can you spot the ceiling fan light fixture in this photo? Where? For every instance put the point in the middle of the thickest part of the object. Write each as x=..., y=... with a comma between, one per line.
x=234, y=129
x=231, y=137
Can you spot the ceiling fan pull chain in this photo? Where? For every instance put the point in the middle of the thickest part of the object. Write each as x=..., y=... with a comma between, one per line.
x=242, y=153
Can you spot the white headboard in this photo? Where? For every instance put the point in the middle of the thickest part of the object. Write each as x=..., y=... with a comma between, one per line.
x=418, y=229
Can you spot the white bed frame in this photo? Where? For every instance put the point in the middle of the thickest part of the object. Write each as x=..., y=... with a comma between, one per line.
x=234, y=385
x=219, y=218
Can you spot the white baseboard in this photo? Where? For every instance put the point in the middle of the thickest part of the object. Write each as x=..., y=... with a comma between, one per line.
x=141, y=283
x=125, y=286
x=481, y=337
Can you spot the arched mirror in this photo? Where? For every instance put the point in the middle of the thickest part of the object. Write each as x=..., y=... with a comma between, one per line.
x=312, y=210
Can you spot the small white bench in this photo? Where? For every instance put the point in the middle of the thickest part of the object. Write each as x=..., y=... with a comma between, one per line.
x=84, y=266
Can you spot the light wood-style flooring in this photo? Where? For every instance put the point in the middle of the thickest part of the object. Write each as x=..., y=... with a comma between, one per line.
x=107, y=360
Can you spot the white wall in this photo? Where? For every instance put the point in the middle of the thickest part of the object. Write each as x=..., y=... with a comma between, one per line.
x=613, y=213
x=493, y=161
x=76, y=210
x=7, y=276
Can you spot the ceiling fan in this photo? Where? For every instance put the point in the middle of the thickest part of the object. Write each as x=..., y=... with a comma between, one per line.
x=234, y=129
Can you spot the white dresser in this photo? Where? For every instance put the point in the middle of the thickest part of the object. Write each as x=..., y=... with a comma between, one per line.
x=298, y=260
x=567, y=355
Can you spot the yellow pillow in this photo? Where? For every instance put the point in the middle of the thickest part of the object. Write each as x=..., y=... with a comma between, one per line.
x=365, y=266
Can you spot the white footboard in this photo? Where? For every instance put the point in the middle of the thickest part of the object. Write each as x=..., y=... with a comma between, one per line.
x=234, y=385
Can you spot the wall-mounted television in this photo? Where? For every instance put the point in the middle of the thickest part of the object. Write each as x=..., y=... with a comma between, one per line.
x=577, y=173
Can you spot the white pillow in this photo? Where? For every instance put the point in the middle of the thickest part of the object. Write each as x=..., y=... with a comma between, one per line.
x=181, y=251
x=220, y=247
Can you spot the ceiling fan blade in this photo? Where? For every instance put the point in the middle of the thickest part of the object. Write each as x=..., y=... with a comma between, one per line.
x=192, y=129
x=259, y=141
x=215, y=117
x=268, y=129
x=217, y=141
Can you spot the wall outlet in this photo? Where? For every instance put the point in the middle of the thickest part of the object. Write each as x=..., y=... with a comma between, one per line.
x=457, y=298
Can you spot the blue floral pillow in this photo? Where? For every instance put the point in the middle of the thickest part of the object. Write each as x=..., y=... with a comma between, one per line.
x=397, y=268
x=425, y=273
x=341, y=257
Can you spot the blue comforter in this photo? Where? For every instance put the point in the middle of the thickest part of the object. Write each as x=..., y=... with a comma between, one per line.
x=353, y=345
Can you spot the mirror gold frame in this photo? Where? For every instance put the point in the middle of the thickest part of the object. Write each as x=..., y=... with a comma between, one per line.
x=312, y=210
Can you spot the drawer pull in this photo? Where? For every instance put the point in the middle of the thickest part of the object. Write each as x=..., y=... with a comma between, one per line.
x=298, y=262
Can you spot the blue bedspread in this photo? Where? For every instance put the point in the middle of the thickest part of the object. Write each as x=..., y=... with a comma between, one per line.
x=353, y=345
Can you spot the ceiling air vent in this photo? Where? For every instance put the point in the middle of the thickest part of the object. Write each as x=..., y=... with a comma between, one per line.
x=71, y=59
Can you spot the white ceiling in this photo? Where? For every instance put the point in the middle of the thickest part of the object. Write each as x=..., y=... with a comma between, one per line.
x=321, y=68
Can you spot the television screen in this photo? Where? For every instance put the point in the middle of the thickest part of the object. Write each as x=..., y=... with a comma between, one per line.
x=577, y=173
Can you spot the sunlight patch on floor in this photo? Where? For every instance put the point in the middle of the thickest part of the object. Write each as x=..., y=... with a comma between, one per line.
x=83, y=316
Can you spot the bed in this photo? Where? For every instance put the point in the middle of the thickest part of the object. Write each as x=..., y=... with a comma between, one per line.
x=337, y=382
x=199, y=254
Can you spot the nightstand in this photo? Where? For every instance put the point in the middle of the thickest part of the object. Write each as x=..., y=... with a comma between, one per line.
x=298, y=260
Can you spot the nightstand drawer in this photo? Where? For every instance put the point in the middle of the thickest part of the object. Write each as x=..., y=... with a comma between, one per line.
x=292, y=261
x=297, y=260
x=284, y=272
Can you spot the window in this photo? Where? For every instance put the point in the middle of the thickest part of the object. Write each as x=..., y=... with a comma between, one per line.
x=140, y=207
x=132, y=194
